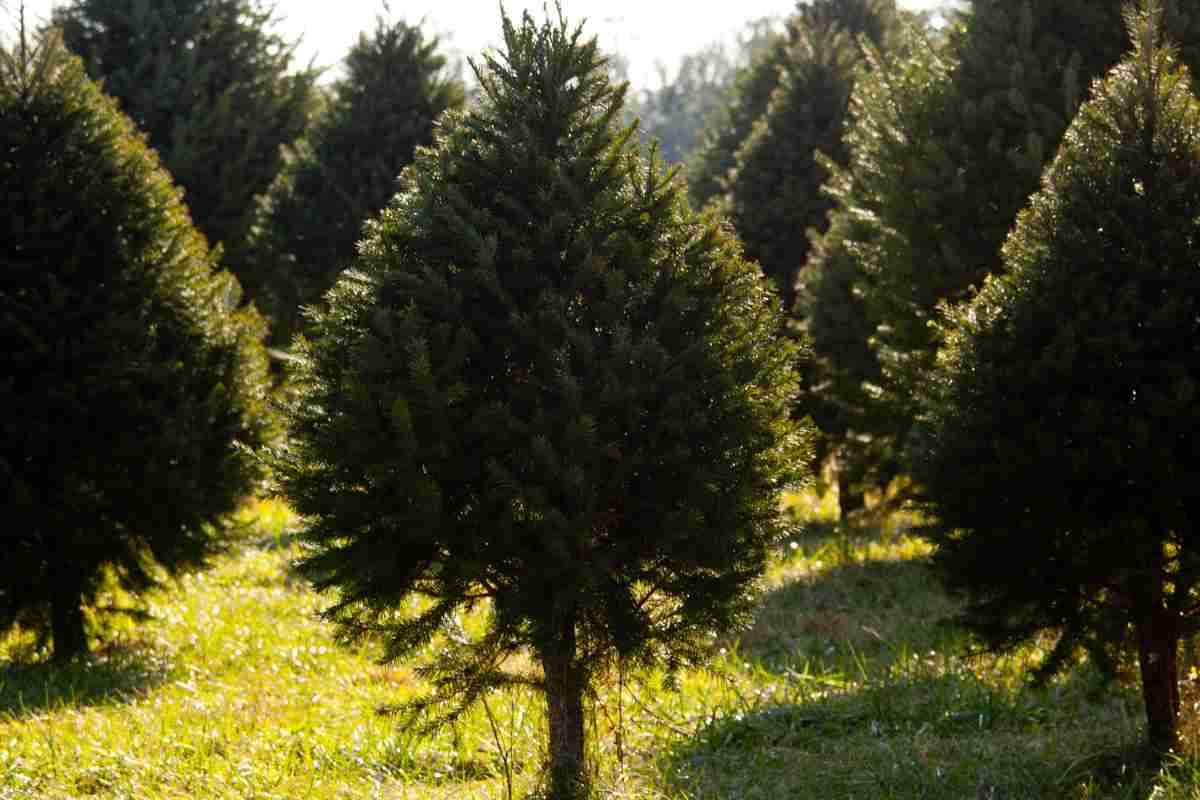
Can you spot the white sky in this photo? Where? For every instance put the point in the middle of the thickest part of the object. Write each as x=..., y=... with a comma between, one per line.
x=644, y=31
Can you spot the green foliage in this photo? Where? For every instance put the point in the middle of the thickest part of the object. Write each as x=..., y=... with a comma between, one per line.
x=1059, y=448
x=941, y=167
x=840, y=380
x=547, y=388
x=771, y=59
x=126, y=374
x=209, y=83
x=876, y=20
x=844, y=382
x=726, y=129
x=773, y=192
x=394, y=88
x=944, y=150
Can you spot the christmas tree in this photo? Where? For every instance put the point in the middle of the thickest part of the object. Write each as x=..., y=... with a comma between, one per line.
x=127, y=376
x=546, y=390
x=1058, y=450
x=394, y=88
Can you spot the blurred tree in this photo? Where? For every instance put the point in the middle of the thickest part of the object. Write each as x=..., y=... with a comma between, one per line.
x=701, y=87
x=126, y=373
x=773, y=192
x=394, y=87
x=841, y=375
x=674, y=112
x=843, y=382
x=210, y=85
x=728, y=126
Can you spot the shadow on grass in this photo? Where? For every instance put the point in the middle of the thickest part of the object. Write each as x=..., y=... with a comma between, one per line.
x=853, y=617
x=118, y=673
x=870, y=696
x=942, y=736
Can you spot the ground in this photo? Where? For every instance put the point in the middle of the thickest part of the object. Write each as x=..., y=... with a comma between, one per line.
x=849, y=685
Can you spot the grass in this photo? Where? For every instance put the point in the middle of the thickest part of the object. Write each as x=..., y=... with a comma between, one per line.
x=848, y=685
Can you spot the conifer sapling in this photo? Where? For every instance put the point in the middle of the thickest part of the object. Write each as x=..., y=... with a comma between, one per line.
x=1060, y=446
x=126, y=373
x=549, y=392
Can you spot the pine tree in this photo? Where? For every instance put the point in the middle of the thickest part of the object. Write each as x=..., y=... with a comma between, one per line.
x=126, y=375
x=210, y=84
x=862, y=424
x=945, y=149
x=841, y=376
x=726, y=129
x=1059, y=451
x=546, y=389
x=394, y=88
x=774, y=189
x=946, y=190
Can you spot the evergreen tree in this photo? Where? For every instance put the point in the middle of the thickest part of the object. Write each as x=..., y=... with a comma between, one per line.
x=840, y=379
x=945, y=149
x=726, y=129
x=863, y=425
x=394, y=88
x=774, y=195
x=549, y=389
x=1060, y=448
x=946, y=190
x=126, y=374
x=875, y=20
x=209, y=83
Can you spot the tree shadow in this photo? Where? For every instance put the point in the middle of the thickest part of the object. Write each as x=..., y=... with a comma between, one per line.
x=924, y=735
x=854, y=617
x=871, y=696
x=113, y=674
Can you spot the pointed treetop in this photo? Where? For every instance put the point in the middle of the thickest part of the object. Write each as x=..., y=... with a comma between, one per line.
x=23, y=35
x=1144, y=23
x=530, y=50
x=1153, y=56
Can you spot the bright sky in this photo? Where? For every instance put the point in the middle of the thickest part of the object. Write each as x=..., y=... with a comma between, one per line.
x=644, y=31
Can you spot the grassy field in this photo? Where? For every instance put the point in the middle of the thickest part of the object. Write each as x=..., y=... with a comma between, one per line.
x=847, y=686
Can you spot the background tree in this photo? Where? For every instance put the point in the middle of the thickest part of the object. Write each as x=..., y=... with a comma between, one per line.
x=701, y=86
x=946, y=193
x=862, y=425
x=945, y=150
x=1060, y=447
x=209, y=83
x=674, y=112
x=394, y=88
x=841, y=376
x=549, y=390
x=126, y=375
x=774, y=189
x=729, y=125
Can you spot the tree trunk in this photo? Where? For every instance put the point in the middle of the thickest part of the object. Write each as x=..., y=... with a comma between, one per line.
x=565, y=683
x=1158, y=659
x=66, y=624
x=850, y=497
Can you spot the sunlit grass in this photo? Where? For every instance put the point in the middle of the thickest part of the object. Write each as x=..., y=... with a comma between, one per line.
x=848, y=684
